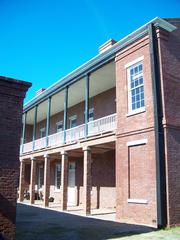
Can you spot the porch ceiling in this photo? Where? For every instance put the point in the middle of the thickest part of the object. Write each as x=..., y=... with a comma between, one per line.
x=100, y=81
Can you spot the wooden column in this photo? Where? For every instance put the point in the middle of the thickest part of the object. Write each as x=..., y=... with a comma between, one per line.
x=46, y=180
x=21, y=181
x=34, y=126
x=48, y=120
x=87, y=181
x=87, y=105
x=33, y=180
x=65, y=112
x=64, y=179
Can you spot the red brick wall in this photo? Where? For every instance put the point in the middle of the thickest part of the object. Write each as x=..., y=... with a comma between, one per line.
x=11, y=97
x=103, y=104
x=103, y=180
x=169, y=45
x=135, y=166
x=103, y=193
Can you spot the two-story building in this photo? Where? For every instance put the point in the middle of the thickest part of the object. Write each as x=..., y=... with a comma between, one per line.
x=107, y=135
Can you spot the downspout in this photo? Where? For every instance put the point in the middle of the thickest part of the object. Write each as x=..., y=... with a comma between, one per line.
x=159, y=133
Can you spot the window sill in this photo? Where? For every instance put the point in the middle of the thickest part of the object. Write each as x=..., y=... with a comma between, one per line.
x=137, y=201
x=140, y=110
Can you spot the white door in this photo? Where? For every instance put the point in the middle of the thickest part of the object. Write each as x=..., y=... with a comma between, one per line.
x=71, y=185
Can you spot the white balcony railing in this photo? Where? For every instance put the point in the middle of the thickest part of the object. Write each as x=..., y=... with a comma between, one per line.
x=102, y=125
x=40, y=143
x=76, y=133
x=56, y=139
x=99, y=126
x=27, y=147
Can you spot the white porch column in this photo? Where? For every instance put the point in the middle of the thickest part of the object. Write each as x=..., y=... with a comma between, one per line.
x=21, y=181
x=87, y=180
x=32, y=180
x=64, y=179
x=46, y=180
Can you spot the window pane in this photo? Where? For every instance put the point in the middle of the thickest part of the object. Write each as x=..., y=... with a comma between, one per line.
x=133, y=106
x=136, y=86
x=59, y=127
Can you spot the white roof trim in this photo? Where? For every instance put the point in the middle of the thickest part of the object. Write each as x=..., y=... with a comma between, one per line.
x=94, y=61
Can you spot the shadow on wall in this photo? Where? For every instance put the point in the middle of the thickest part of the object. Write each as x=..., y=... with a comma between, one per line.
x=7, y=215
x=39, y=223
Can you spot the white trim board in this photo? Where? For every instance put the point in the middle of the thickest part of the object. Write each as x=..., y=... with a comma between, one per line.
x=139, y=201
x=137, y=142
x=139, y=59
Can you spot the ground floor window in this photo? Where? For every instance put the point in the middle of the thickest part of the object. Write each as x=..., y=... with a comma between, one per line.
x=40, y=177
x=57, y=183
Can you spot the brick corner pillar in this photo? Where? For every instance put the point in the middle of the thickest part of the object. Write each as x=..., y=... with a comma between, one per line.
x=64, y=180
x=46, y=180
x=33, y=180
x=21, y=181
x=87, y=180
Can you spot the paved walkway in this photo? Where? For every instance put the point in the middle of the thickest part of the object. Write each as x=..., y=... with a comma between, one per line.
x=38, y=223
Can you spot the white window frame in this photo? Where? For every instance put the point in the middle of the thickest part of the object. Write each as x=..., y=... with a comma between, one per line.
x=57, y=124
x=71, y=119
x=39, y=168
x=128, y=68
x=55, y=178
x=41, y=131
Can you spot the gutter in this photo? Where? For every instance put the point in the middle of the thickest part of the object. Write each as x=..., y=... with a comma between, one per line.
x=96, y=62
x=159, y=133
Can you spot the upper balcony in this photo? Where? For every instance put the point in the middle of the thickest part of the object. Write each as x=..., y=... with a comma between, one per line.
x=72, y=135
x=80, y=111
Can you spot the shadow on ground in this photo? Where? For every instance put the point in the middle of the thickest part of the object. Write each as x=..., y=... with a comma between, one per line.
x=35, y=223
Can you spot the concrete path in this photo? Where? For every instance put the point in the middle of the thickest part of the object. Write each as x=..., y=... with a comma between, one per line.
x=35, y=223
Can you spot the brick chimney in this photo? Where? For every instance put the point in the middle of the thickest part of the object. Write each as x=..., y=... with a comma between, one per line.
x=107, y=45
x=41, y=90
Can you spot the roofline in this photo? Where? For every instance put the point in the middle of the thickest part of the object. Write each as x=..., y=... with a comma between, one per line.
x=97, y=61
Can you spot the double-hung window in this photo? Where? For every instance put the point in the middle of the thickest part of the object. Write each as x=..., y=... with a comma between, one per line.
x=73, y=120
x=91, y=114
x=42, y=132
x=40, y=177
x=135, y=87
x=59, y=126
x=57, y=175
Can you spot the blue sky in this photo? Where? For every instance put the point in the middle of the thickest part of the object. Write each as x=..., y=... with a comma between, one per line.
x=43, y=40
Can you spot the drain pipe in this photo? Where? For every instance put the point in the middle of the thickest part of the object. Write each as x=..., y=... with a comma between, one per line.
x=159, y=133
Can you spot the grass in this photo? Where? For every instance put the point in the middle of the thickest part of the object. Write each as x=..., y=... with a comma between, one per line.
x=164, y=234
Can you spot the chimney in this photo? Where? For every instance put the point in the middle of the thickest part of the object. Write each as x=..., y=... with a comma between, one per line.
x=41, y=90
x=107, y=45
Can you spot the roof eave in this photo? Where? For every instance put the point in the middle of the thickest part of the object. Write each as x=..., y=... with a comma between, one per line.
x=97, y=60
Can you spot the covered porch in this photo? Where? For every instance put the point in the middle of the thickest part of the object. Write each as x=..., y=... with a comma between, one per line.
x=80, y=180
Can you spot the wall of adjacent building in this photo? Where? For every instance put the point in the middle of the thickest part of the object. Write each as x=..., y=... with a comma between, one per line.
x=12, y=93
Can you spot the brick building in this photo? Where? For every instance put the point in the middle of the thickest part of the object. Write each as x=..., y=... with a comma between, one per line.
x=12, y=93
x=107, y=135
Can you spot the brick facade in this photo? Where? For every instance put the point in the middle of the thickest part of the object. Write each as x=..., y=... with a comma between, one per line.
x=169, y=52
x=137, y=165
x=12, y=93
x=141, y=126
